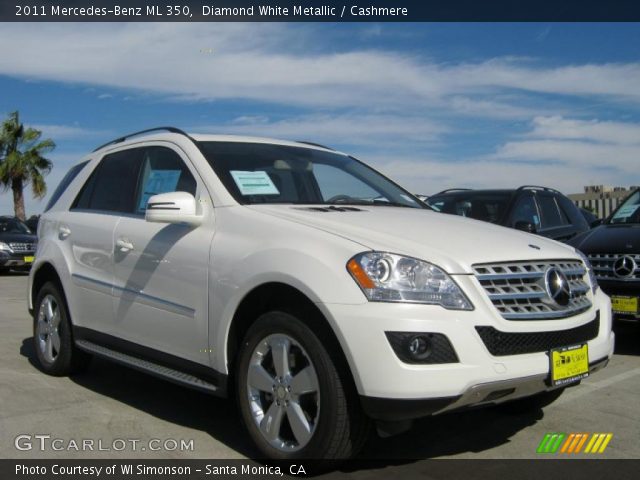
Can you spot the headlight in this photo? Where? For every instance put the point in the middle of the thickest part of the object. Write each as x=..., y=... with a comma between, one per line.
x=592, y=276
x=5, y=248
x=386, y=277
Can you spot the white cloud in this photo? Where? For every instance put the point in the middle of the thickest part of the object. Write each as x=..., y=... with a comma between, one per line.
x=379, y=130
x=64, y=132
x=621, y=133
x=263, y=62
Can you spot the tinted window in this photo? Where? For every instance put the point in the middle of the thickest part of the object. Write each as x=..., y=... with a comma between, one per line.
x=64, y=183
x=525, y=211
x=489, y=207
x=13, y=225
x=112, y=185
x=551, y=215
x=576, y=217
x=162, y=171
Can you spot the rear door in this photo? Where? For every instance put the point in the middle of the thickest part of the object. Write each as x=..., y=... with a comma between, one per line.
x=86, y=236
x=161, y=270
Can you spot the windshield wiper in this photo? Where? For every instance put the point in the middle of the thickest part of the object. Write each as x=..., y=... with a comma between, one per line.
x=370, y=203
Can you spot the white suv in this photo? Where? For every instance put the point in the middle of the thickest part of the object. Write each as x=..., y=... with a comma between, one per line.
x=320, y=294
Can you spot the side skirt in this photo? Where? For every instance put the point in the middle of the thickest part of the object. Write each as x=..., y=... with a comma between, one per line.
x=154, y=362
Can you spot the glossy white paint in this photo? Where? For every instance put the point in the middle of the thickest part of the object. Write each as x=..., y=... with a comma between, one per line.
x=177, y=287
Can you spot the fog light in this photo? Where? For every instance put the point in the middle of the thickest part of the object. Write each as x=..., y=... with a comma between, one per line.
x=418, y=347
x=426, y=348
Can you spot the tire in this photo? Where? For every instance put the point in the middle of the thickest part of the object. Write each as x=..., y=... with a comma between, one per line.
x=52, y=334
x=533, y=403
x=324, y=421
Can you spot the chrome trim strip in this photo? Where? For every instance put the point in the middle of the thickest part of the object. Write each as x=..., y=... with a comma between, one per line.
x=131, y=295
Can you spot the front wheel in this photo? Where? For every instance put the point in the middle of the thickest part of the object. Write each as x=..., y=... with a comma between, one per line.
x=293, y=400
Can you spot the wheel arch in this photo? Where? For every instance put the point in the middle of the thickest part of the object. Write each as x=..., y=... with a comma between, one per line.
x=282, y=297
x=46, y=272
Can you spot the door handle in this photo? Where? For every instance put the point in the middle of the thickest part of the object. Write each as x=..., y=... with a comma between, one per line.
x=124, y=245
x=63, y=232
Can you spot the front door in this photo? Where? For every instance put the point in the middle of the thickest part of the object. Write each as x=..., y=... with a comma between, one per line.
x=161, y=270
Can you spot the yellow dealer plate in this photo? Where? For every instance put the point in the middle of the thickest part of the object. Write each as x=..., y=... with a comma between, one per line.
x=624, y=304
x=28, y=259
x=569, y=364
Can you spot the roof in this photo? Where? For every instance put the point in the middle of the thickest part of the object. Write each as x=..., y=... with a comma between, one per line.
x=160, y=133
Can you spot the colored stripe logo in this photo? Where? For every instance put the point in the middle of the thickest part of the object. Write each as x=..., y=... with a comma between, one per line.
x=574, y=443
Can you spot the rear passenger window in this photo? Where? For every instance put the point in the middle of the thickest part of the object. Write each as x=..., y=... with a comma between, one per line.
x=112, y=185
x=162, y=171
x=551, y=214
x=64, y=183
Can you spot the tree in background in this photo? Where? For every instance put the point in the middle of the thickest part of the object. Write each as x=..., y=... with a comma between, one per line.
x=22, y=161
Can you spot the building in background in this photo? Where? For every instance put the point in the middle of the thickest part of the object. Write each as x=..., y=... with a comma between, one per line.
x=601, y=199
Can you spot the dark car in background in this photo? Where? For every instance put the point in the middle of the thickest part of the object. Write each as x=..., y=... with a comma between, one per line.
x=17, y=244
x=614, y=251
x=533, y=209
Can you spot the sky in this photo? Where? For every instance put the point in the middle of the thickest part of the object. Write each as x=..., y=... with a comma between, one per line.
x=433, y=106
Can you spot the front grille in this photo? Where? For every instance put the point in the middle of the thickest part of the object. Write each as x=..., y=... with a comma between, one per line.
x=23, y=247
x=604, y=266
x=518, y=290
x=510, y=343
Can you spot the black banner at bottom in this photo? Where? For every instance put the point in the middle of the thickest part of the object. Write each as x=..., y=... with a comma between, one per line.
x=543, y=469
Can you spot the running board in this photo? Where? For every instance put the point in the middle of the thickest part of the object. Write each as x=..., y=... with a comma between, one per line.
x=149, y=367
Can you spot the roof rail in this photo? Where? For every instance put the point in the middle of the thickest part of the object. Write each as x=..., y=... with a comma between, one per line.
x=123, y=138
x=537, y=187
x=315, y=145
x=454, y=190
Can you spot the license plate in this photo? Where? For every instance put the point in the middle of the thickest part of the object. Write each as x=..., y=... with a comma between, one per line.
x=28, y=259
x=569, y=364
x=624, y=304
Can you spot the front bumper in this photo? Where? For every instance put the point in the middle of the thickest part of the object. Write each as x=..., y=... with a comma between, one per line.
x=381, y=376
x=623, y=289
x=22, y=259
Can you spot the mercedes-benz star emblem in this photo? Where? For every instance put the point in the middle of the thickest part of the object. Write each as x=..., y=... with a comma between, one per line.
x=624, y=266
x=557, y=286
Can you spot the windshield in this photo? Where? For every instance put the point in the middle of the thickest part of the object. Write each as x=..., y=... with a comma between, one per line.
x=629, y=211
x=267, y=173
x=12, y=225
x=489, y=207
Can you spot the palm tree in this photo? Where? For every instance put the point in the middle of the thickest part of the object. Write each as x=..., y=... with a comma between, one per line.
x=22, y=161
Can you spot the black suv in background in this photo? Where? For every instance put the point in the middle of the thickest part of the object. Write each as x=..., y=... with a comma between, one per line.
x=533, y=209
x=614, y=251
x=17, y=244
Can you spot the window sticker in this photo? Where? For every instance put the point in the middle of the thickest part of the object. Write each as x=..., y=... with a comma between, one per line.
x=626, y=211
x=254, y=183
x=158, y=181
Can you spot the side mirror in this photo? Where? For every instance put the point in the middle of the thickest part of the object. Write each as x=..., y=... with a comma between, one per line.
x=525, y=226
x=596, y=223
x=173, y=207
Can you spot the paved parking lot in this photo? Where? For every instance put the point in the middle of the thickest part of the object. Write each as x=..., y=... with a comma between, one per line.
x=110, y=402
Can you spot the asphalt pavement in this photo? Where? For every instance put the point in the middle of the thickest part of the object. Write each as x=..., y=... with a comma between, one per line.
x=123, y=413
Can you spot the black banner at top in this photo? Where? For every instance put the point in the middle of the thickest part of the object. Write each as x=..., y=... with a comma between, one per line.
x=320, y=11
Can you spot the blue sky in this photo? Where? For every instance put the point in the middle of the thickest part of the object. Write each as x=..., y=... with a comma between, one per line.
x=432, y=105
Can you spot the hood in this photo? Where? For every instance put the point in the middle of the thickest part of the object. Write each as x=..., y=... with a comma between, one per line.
x=18, y=238
x=616, y=238
x=449, y=241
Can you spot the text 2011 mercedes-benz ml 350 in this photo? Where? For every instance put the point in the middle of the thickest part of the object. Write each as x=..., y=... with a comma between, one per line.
x=319, y=294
